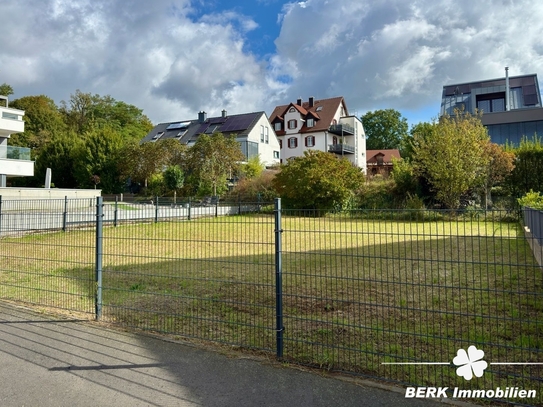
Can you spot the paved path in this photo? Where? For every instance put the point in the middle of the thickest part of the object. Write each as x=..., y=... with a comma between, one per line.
x=51, y=361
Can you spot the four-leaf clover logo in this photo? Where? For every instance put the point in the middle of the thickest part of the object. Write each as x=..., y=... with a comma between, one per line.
x=470, y=363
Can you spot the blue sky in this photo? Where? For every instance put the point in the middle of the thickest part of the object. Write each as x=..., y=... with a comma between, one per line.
x=173, y=58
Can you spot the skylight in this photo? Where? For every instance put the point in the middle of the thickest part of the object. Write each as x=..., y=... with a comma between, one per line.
x=157, y=136
x=178, y=125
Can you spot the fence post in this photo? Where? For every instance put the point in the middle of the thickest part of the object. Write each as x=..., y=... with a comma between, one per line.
x=64, y=215
x=115, y=211
x=190, y=205
x=217, y=207
x=278, y=279
x=99, y=253
x=0, y=215
x=156, y=210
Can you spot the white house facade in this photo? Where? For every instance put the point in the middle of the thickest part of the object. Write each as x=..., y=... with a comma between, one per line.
x=14, y=161
x=323, y=125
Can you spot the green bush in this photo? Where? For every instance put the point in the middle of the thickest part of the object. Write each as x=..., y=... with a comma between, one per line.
x=256, y=189
x=532, y=199
x=377, y=194
x=318, y=181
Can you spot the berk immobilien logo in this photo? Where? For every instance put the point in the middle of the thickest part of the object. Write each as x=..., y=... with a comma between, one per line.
x=468, y=364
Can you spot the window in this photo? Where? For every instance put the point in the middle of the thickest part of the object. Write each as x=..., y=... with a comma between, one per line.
x=491, y=102
x=310, y=122
x=280, y=143
x=276, y=154
x=319, y=109
x=334, y=140
x=249, y=149
x=310, y=141
x=292, y=110
x=266, y=135
x=277, y=126
x=157, y=136
x=292, y=142
x=261, y=133
x=292, y=124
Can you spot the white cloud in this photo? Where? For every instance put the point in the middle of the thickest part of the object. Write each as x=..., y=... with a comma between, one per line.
x=392, y=53
x=172, y=60
x=163, y=59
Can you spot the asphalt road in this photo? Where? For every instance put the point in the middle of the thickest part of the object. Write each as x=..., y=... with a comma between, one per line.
x=46, y=361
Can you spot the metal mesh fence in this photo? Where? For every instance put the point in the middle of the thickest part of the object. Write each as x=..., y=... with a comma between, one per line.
x=52, y=269
x=209, y=278
x=391, y=294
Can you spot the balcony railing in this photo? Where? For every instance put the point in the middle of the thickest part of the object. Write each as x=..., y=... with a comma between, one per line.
x=15, y=153
x=341, y=149
x=341, y=129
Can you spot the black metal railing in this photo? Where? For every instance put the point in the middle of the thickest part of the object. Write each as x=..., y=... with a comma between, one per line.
x=341, y=149
x=341, y=129
x=394, y=295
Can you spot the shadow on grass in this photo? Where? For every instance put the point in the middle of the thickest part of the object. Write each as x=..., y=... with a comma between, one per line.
x=349, y=304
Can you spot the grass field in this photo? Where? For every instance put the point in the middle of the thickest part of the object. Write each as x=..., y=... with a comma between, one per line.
x=356, y=293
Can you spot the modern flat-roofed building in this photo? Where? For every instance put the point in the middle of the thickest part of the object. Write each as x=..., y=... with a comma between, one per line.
x=511, y=106
x=14, y=161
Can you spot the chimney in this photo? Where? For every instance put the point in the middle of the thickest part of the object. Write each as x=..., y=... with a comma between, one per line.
x=202, y=117
x=506, y=89
x=223, y=113
x=299, y=102
x=311, y=101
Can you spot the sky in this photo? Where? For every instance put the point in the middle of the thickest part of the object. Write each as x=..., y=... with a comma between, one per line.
x=174, y=58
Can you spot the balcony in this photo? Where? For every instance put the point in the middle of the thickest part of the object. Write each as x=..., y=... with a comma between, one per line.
x=341, y=130
x=341, y=149
x=15, y=153
x=11, y=121
x=15, y=161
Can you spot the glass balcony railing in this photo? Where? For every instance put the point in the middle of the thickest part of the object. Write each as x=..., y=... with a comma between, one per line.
x=15, y=153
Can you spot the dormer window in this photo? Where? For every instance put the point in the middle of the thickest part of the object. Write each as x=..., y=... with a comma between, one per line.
x=157, y=136
x=292, y=124
x=310, y=122
x=277, y=126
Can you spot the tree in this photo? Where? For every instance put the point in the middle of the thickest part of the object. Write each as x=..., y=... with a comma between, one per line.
x=213, y=159
x=139, y=161
x=253, y=168
x=499, y=167
x=422, y=129
x=99, y=155
x=452, y=156
x=528, y=172
x=42, y=122
x=85, y=112
x=385, y=129
x=59, y=155
x=5, y=90
x=174, y=178
x=318, y=181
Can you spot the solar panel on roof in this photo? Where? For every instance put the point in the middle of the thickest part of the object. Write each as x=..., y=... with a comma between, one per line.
x=238, y=123
x=202, y=128
x=178, y=125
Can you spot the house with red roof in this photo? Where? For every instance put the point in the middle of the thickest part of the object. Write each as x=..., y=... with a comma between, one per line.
x=323, y=125
x=379, y=162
